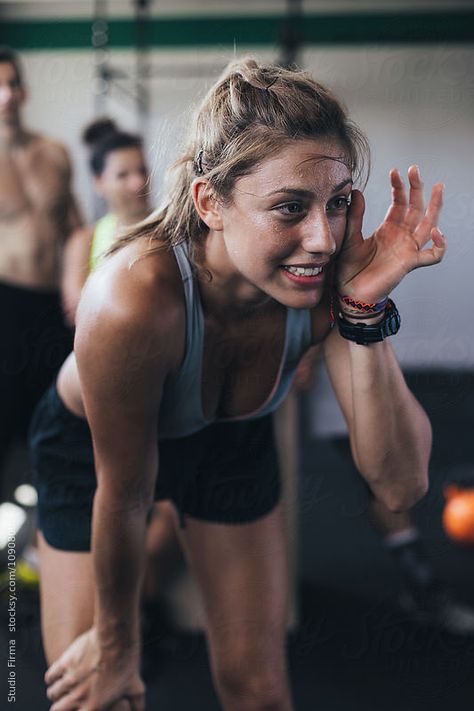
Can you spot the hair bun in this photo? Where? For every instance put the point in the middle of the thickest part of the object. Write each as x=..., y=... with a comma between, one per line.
x=250, y=72
x=98, y=130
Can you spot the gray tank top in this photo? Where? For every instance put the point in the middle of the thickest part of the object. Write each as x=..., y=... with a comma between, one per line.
x=181, y=407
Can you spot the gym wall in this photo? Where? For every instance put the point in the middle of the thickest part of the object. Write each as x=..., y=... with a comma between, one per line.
x=408, y=82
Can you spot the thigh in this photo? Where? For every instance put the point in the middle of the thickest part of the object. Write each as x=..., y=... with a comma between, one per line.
x=67, y=597
x=242, y=573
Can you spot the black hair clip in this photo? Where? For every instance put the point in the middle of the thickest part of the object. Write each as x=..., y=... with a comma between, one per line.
x=198, y=163
x=271, y=83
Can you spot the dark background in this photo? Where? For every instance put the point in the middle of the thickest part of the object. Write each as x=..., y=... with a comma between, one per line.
x=353, y=648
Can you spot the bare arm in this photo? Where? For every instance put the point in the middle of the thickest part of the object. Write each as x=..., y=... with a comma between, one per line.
x=72, y=236
x=122, y=390
x=68, y=214
x=75, y=270
x=389, y=431
x=73, y=217
x=124, y=351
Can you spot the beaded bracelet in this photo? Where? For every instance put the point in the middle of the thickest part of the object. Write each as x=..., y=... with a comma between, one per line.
x=361, y=307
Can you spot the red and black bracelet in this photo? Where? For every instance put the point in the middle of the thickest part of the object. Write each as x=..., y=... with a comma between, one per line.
x=364, y=308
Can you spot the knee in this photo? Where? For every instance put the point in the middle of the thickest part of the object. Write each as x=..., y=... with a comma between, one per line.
x=251, y=689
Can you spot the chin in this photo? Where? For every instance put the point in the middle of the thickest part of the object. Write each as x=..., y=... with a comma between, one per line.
x=308, y=300
x=307, y=303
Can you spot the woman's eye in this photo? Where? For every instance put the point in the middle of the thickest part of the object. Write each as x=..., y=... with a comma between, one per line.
x=290, y=208
x=339, y=203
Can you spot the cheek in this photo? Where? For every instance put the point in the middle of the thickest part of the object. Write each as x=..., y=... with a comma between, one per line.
x=338, y=229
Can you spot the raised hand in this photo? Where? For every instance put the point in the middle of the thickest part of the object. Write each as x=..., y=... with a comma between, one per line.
x=82, y=679
x=368, y=270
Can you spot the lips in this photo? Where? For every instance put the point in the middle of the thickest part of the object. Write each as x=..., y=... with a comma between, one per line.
x=309, y=276
x=309, y=271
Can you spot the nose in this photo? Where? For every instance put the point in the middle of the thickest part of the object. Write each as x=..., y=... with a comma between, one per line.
x=317, y=235
x=6, y=94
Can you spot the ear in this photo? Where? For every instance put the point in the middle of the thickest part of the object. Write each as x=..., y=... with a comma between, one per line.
x=206, y=204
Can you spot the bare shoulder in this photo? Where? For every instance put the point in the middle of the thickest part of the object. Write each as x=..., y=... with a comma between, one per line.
x=134, y=302
x=55, y=153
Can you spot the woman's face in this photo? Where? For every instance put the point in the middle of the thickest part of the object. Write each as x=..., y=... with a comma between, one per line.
x=287, y=219
x=123, y=183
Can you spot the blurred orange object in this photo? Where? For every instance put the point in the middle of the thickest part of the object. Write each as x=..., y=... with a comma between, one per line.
x=458, y=514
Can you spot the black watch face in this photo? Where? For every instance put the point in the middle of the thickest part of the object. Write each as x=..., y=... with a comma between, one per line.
x=365, y=334
x=393, y=323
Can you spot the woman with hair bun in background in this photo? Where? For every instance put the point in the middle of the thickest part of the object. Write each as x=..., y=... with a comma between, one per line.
x=121, y=178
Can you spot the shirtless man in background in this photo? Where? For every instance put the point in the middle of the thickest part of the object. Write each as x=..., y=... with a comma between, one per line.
x=37, y=214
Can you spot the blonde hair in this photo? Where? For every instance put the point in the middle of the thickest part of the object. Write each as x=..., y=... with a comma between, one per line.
x=247, y=116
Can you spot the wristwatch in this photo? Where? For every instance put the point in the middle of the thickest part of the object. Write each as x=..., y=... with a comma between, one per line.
x=364, y=334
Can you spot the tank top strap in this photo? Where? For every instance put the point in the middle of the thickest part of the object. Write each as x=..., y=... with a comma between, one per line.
x=181, y=413
x=182, y=257
x=299, y=335
x=194, y=315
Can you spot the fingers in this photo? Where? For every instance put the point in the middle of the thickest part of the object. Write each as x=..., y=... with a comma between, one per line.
x=61, y=687
x=428, y=257
x=355, y=217
x=78, y=702
x=397, y=210
x=416, y=205
x=70, y=702
x=357, y=205
x=404, y=211
x=55, y=671
x=411, y=214
x=422, y=233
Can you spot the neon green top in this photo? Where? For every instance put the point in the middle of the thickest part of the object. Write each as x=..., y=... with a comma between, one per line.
x=104, y=235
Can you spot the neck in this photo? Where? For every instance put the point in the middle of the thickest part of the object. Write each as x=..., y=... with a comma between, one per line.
x=227, y=294
x=125, y=219
x=11, y=135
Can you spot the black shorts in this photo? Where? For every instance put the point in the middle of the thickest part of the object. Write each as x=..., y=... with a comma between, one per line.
x=225, y=473
x=35, y=341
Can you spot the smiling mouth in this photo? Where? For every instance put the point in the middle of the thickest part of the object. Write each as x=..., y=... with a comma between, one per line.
x=303, y=271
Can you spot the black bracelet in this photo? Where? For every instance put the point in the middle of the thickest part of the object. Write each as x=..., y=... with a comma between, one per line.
x=359, y=316
x=364, y=334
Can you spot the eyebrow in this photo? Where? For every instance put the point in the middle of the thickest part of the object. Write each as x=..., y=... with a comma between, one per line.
x=308, y=193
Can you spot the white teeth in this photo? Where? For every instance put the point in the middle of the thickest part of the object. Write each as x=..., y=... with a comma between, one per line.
x=301, y=271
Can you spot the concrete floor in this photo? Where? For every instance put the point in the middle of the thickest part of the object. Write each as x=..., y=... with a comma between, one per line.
x=353, y=649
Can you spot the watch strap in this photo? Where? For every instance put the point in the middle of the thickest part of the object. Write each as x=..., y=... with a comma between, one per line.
x=364, y=334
